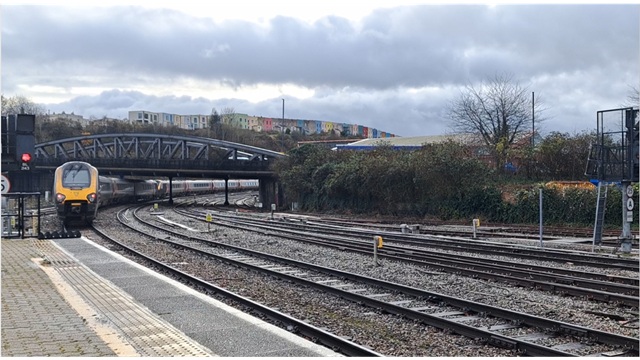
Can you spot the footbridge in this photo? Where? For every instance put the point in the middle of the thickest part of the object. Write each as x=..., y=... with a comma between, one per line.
x=159, y=156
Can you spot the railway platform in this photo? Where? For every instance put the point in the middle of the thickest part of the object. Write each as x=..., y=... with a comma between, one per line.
x=71, y=297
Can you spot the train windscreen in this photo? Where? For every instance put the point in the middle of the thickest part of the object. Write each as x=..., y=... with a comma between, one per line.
x=76, y=177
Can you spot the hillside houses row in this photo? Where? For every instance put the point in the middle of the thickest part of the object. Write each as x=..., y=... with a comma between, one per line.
x=242, y=121
x=257, y=123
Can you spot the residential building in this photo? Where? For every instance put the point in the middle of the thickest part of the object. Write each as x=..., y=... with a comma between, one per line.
x=255, y=123
x=69, y=117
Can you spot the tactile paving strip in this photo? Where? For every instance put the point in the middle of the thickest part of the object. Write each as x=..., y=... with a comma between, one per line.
x=146, y=332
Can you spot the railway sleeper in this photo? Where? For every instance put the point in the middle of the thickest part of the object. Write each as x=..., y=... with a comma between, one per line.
x=570, y=330
x=503, y=343
x=536, y=336
x=571, y=346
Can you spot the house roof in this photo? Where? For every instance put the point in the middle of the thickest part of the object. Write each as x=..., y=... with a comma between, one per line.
x=417, y=141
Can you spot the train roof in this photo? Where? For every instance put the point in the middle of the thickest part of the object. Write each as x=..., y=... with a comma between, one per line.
x=72, y=163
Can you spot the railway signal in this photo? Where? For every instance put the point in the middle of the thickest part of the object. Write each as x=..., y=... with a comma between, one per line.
x=635, y=153
x=26, y=158
x=633, y=143
x=18, y=142
x=25, y=140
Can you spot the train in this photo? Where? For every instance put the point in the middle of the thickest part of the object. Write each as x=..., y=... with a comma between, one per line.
x=76, y=191
x=79, y=190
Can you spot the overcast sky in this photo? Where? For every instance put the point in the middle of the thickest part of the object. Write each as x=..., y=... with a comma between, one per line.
x=391, y=67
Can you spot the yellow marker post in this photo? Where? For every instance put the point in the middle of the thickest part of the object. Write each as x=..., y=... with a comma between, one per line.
x=209, y=222
x=155, y=206
x=377, y=243
x=476, y=224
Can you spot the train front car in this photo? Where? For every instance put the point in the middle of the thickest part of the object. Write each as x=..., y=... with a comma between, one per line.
x=76, y=192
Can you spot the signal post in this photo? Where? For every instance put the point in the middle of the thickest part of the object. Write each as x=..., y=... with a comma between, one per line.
x=614, y=159
x=18, y=150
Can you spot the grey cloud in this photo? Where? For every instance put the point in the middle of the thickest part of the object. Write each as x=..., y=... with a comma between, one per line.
x=582, y=58
x=406, y=46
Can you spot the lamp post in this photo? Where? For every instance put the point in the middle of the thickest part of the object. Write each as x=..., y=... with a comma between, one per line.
x=282, y=129
x=533, y=141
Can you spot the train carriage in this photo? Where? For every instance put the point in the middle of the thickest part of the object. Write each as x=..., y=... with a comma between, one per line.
x=199, y=187
x=145, y=190
x=105, y=191
x=123, y=191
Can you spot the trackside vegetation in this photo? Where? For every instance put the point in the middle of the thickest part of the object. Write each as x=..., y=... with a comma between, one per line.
x=439, y=181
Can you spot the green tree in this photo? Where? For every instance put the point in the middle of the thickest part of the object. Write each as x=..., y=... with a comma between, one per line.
x=57, y=129
x=215, y=121
x=561, y=156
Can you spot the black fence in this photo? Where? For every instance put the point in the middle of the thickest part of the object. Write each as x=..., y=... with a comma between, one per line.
x=21, y=215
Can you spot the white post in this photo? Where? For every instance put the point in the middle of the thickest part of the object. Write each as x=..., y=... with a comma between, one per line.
x=593, y=244
x=375, y=250
x=541, y=218
x=475, y=224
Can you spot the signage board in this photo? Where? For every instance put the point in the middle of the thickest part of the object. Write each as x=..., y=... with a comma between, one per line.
x=6, y=185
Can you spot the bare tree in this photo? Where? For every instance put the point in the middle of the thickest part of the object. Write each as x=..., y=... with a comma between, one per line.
x=20, y=104
x=229, y=118
x=633, y=97
x=499, y=111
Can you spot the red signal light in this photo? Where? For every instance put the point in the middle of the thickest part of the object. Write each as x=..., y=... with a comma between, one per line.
x=26, y=157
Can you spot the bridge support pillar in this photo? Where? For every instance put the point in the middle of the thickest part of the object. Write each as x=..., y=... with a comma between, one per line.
x=170, y=190
x=268, y=193
x=226, y=191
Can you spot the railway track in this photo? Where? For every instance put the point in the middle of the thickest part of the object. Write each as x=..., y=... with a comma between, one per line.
x=438, y=307
x=330, y=340
x=496, y=230
x=492, y=227
x=601, y=287
x=477, y=246
x=463, y=317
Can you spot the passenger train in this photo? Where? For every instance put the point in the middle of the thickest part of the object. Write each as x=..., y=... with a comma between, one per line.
x=190, y=187
x=79, y=190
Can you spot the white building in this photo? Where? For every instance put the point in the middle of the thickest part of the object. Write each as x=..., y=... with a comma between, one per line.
x=144, y=117
x=69, y=117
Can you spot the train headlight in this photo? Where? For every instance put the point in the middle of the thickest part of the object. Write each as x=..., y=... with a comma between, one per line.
x=92, y=197
x=60, y=198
